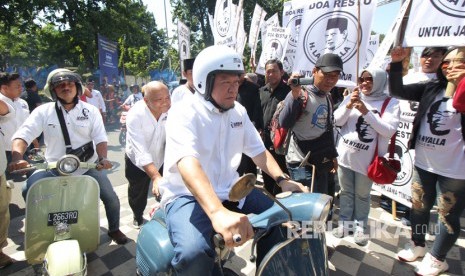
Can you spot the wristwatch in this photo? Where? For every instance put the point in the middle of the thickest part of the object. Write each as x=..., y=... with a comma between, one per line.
x=281, y=178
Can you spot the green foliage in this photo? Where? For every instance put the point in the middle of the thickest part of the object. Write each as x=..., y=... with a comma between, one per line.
x=45, y=32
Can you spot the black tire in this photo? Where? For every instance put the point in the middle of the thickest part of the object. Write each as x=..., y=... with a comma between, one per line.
x=122, y=138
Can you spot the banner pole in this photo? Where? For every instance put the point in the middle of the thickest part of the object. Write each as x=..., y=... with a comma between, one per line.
x=358, y=39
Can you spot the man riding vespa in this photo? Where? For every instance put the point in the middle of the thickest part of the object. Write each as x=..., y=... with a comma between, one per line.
x=206, y=137
x=85, y=127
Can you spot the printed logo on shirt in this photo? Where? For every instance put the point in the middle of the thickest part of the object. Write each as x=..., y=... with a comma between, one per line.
x=236, y=124
x=438, y=117
x=364, y=130
x=320, y=117
x=85, y=115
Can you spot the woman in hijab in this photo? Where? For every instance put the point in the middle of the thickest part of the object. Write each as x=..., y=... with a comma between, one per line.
x=362, y=128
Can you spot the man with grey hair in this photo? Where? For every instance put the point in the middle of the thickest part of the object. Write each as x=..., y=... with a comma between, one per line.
x=145, y=146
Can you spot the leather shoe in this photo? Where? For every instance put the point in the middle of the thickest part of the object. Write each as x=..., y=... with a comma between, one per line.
x=118, y=237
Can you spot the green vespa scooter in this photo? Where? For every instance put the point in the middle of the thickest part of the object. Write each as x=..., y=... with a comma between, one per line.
x=62, y=218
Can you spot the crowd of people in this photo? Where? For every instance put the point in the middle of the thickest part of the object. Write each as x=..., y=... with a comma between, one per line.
x=193, y=144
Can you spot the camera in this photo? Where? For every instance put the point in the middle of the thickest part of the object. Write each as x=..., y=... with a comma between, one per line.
x=301, y=81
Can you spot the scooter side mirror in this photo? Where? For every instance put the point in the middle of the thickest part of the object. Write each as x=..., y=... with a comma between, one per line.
x=243, y=186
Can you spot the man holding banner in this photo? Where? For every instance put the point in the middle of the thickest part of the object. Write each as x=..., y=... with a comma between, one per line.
x=439, y=160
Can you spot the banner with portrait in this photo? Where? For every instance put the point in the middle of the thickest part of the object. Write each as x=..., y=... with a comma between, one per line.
x=108, y=60
x=332, y=27
x=224, y=23
x=292, y=19
x=447, y=28
x=273, y=46
x=184, y=47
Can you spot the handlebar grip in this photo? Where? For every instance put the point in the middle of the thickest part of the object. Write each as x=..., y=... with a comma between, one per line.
x=218, y=241
x=24, y=170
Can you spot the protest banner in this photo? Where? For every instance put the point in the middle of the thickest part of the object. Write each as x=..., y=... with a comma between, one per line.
x=224, y=25
x=273, y=48
x=332, y=27
x=257, y=20
x=183, y=42
x=447, y=28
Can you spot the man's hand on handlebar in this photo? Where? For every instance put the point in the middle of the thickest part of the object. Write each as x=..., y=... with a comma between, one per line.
x=231, y=224
x=18, y=165
x=104, y=164
x=293, y=186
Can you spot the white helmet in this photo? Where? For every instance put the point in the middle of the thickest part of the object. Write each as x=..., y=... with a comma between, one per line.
x=59, y=75
x=211, y=60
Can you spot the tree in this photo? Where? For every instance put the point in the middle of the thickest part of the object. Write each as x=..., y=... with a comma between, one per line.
x=44, y=32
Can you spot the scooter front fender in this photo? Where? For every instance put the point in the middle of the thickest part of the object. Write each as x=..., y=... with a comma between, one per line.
x=61, y=194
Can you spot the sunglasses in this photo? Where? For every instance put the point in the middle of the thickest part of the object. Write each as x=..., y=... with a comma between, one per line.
x=365, y=79
x=446, y=62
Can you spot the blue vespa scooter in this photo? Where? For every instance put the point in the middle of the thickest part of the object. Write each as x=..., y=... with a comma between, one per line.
x=302, y=246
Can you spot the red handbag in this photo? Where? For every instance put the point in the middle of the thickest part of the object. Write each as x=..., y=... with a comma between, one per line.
x=384, y=170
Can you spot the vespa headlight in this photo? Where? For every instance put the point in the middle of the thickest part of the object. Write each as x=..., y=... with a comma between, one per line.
x=68, y=164
x=322, y=208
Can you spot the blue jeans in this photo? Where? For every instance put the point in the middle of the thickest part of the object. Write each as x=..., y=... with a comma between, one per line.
x=107, y=194
x=450, y=193
x=304, y=176
x=355, y=198
x=191, y=233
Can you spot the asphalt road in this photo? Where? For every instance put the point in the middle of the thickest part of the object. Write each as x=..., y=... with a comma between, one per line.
x=116, y=174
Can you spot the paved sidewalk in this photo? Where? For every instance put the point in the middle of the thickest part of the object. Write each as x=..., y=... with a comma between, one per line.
x=346, y=258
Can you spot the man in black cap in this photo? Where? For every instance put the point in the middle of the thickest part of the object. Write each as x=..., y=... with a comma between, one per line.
x=313, y=122
x=186, y=89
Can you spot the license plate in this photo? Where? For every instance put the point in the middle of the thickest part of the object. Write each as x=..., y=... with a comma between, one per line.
x=68, y=217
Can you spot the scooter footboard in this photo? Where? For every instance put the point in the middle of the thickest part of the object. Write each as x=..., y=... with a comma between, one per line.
x=154, y=250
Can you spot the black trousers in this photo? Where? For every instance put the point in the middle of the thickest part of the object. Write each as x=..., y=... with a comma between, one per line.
x=247, y=166
x=269, y=182
x=138, y=187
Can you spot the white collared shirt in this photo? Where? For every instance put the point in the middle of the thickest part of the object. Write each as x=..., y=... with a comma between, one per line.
x=196, y=128
x=145, y=140
x=19, y=114
x=3, y=119
x=181, y=92
x=84, y=124
x=133, y=98
x=97, y=100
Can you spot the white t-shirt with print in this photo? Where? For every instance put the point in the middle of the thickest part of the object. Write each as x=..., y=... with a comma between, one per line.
x=359, y=133
x=439, y=147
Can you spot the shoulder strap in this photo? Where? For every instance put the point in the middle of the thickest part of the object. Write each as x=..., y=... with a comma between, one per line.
x=64, y=130
x=393, y=138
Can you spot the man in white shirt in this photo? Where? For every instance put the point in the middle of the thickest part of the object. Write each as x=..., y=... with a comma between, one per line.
x=205, y=138
x=6, y=112
x=145, y=146
x=187, y=89
x=84, y=124
x=10, y=90
x=96, y=98
x=133, y=98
